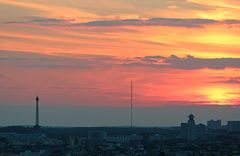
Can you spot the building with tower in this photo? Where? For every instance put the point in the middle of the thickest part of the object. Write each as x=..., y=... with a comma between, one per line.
x=190, y=130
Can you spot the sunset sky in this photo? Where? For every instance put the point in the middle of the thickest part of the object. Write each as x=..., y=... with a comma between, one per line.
x=85, y=53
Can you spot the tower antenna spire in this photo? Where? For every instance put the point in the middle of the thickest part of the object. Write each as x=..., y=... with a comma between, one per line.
x=131, y=104
x=37, y=113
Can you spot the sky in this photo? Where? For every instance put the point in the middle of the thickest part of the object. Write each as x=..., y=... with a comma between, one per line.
x=84, y=54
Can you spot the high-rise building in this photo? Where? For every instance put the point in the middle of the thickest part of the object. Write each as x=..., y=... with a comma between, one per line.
x=233, y=125
x=214, y=124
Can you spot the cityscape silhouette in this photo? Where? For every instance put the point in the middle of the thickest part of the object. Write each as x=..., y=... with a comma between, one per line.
x=119, y=78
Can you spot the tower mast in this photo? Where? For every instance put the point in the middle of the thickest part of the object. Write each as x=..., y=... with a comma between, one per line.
x=37, y=113
x=131, y=105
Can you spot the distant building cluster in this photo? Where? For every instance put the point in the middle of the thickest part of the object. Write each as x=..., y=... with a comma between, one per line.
x=192, y=131
x=29, y=139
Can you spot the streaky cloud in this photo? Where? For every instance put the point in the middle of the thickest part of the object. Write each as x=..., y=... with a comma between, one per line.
x=39, y=60
x=42, y=21
x=175, y=22
x=171, y=22
x=66, y=60
x=186, y=63
x=232, y=80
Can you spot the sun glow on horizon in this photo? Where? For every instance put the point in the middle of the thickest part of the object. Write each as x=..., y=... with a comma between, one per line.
x=220, y=95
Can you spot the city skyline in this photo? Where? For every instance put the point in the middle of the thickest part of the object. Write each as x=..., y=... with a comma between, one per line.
x=181, y=55
x=127, y=115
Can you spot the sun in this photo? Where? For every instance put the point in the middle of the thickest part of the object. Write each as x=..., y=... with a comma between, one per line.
x=220, y=95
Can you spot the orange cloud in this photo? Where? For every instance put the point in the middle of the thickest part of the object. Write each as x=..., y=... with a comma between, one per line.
x=54, y=10
x=222, y=9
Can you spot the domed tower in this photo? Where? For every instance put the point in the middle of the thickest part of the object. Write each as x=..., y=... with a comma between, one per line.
x=191, y=118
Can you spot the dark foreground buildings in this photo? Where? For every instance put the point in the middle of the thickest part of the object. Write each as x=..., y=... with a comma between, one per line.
x=190, y=139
